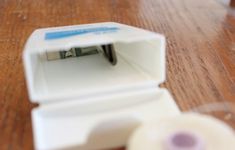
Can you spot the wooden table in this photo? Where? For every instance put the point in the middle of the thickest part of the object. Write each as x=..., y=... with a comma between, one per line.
x=200, y=52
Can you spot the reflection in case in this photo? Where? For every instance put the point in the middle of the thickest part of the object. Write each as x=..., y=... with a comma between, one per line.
x=95, y=84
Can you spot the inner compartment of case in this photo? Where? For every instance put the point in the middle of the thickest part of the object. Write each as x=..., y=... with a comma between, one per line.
x=137, y=65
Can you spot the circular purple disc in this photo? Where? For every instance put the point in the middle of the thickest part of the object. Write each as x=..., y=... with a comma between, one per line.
x=184, y=141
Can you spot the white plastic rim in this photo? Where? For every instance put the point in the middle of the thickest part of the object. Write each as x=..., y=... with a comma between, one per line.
x=210, y=133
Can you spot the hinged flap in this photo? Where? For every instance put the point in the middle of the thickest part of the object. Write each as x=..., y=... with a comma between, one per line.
x=90, y=124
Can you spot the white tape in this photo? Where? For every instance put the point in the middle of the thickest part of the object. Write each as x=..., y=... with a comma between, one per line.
x=185, y=132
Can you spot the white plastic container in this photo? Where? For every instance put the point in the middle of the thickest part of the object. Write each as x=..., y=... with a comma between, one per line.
x=87, y=103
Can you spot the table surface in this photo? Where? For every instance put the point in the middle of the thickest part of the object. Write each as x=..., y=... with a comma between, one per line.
x=200, y=52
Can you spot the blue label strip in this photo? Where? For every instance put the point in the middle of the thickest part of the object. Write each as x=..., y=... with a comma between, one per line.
x=64, y=34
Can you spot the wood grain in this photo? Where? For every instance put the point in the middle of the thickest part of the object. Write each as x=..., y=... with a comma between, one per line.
x=200, y=51
x=232, y=3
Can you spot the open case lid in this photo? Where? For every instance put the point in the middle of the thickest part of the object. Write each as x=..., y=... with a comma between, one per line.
x=102, y=122
x=140, y=61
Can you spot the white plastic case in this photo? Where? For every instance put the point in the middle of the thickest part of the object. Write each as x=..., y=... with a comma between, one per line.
x=85, y=102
